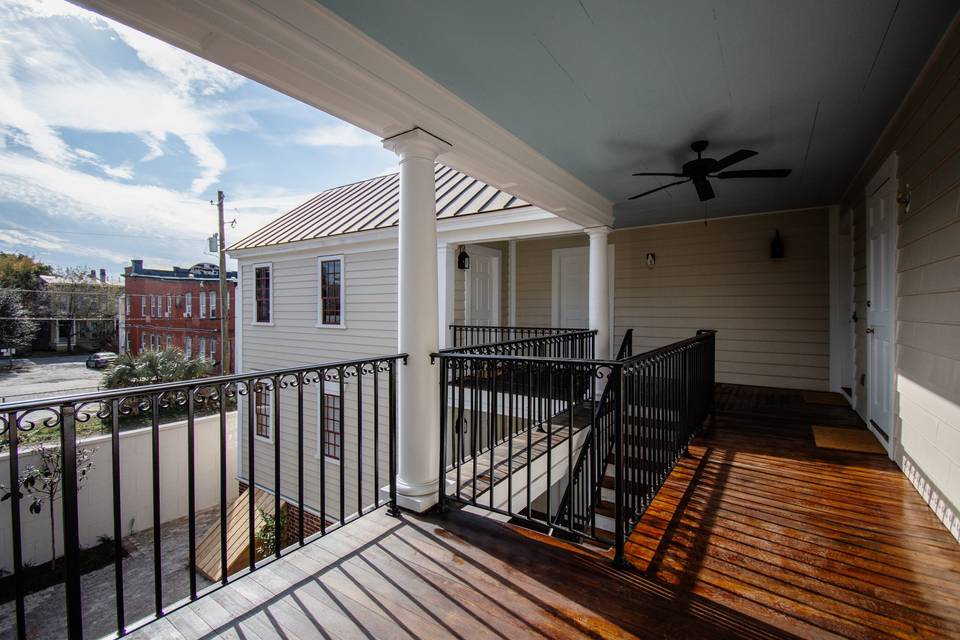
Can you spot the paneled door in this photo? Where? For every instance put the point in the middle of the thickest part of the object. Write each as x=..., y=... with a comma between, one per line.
x=881, y=231
x=572, y=267
x=482, y=287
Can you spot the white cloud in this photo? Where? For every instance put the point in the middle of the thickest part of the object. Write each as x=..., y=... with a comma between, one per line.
x=15, y=239
x=47, y=84
x=340, y=134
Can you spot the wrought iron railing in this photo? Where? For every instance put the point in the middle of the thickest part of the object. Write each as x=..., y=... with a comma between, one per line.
x=539, y=424
x=472, y=335
x=275, y=402
x=578, y=505
x=663, y=397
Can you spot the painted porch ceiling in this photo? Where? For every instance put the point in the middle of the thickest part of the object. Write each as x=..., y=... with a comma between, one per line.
x=605, y=89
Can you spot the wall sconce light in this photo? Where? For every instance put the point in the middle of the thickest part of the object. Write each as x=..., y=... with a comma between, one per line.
x=651, y=260
x=776, y=246
x=903, y=199
x=463, y=259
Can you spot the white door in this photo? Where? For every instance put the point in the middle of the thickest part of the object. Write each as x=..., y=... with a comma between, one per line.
x=881, y=273
x=482, y=287
x=572, y=289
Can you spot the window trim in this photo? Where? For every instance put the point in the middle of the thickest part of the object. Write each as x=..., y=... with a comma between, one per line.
x=343, y=307
x=331, y=388
x=253, y=403
x=253, y=317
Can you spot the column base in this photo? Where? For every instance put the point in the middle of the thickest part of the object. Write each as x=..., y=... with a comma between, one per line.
x=414, y=502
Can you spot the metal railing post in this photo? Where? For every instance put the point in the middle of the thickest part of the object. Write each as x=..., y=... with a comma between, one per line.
x=71, y=525
x=392, y=509
x=619, y=559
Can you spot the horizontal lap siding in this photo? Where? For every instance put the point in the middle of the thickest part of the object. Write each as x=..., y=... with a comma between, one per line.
x=772, y=315
x=370, y=289
x=926, y=137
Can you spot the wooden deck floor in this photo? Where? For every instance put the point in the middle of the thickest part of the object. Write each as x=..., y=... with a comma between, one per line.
x=757, y=534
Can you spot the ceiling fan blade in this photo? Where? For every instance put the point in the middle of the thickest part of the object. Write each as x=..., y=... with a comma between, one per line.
x=672, y=175
x=666, y=186
x=733, y=158
x=755, y=173
x=704, y=190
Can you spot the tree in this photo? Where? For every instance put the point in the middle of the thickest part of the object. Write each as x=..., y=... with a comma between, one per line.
x=19, y=271
x=154, y=367
x=17, y=328
x=44, y=482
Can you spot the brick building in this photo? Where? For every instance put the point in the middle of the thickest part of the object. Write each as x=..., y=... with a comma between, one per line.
x=177, y=307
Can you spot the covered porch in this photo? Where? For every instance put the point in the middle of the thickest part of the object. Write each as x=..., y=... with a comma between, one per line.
x=758, y=533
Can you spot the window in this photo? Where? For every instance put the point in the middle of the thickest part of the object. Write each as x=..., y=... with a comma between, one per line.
x=143, y=342
x=331, y=429
x=169, y=341
x=331, y=291
x=169, y=304
x=128, y=304
x=203, y=304
x=263, y=410
x=153, y=306
x=143, y=306
x=213, y=304
x=263, y=292
x=153, y=342
x=188, y=346
x=188, y=305
x=127, y=343
x=213, y=349
x=202, y=349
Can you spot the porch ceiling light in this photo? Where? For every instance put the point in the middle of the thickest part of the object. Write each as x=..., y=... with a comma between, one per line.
x=463, y=258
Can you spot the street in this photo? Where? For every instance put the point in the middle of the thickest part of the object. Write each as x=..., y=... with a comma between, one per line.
x=47, y=376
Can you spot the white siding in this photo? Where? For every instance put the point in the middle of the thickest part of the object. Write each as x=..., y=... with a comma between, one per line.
x=370, y=312
x=925, y=134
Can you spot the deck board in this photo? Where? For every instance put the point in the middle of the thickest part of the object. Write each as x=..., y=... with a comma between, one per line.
x=756, y=534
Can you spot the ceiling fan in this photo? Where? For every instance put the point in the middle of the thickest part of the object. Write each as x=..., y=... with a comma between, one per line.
x=697, y=171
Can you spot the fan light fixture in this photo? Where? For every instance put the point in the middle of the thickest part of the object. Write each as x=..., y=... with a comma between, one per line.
x=463, y=259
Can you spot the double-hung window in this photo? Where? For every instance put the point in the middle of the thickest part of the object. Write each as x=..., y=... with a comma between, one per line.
x=169, y=342
x=203, y=304
x=188, y=346
x=213, y=349
x=169, y=304
x=188, y=305
x=330, y=312
x=127, y=299
x=153, y=306
x=143, y=342
x=330, y=437
x=262, y=411
x=143, y=306
x=213, y=304
x=202, y=349
x=263, y=293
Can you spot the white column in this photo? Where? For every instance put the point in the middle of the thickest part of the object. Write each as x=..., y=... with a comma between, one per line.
x=418, y=397
x=445, y=286
x=599, y=299
x=512, y=257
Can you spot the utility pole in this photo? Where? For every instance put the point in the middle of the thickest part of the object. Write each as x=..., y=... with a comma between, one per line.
x=224, y=323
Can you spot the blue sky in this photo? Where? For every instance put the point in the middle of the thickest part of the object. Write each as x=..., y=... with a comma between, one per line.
x=112, y=144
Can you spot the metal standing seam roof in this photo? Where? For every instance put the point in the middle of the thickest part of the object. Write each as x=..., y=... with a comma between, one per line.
x=375, y=204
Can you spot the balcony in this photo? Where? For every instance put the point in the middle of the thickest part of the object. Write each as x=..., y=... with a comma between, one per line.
x=580, y=497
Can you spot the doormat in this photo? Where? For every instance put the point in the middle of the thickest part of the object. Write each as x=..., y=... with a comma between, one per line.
x=846, y=439
x=825, y=397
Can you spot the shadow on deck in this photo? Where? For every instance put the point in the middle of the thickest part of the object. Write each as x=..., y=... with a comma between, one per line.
x=757, y=534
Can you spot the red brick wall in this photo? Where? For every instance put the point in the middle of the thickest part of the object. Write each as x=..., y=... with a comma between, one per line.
x=311, y=522
x=140, y=325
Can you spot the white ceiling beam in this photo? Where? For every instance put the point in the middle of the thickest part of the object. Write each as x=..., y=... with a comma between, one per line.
x=302, y=49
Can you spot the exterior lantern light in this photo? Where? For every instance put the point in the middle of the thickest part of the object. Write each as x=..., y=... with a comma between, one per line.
x=776, y=246
x=463, y=259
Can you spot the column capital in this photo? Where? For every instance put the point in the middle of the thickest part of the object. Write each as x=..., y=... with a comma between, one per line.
x=602, y=232
x=416, y=143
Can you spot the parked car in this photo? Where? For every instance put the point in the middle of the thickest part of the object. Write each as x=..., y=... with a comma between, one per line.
x=101, y=359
